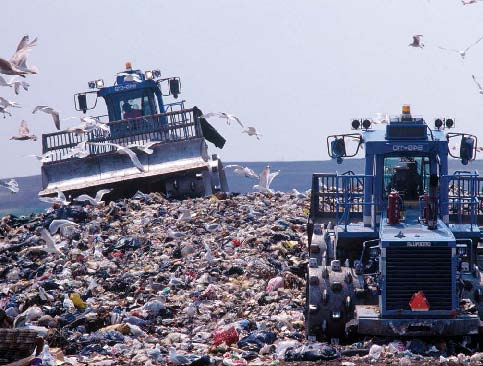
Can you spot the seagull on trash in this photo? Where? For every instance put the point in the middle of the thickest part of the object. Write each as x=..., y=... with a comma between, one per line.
x=60, y=199
x=79, y=151
x=11, y=185
x=15, y=84
x=417, y=41
x=24, y=133
x=146, y=148
x=175, y=234
x=185, y=215
x=477, y=84
x=229, y=117
x=51, y=111
x=463, y=52
x=265, y=179
x=251, y=131
x=240, y=170
x=123, y=150
x=55, y=225
x=298, y=194
x=17, y=65
x=93, y=201
x=50, y=246
x=68, y=303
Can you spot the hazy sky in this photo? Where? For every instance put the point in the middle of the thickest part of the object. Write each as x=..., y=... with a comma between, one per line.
x=297, y=71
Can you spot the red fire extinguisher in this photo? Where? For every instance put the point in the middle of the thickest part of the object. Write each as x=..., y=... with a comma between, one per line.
x=393, y=208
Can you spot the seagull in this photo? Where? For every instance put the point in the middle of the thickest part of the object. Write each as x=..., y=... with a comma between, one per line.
x=68, y=303
x=462, y=53
x=7, y=103
x=55, y=225
x=89, y=124
x=44, y=158
x=15, y=84
x=93, y=201
x=79, y=151
x=24, y=133
x=11, y=185
x=186, y=215
x=251, y=131
x=229, y=117
x=468, y=2
x=123, y=150
x=17, y=65
x=477, y=84
x=297, y=194
x=175, y=234
x=417, y=41
x=266, y=178
x=51, y=111
x=60, y=199
x=49, y=248
x=4, y=111
x=240, y=170
x=146, y=148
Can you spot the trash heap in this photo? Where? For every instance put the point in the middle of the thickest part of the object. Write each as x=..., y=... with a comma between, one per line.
x=151, y=281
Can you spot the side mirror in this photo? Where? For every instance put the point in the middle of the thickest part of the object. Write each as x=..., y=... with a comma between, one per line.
x=174, y=87
x=467, y=149
x=337, y=146
x=82, y=100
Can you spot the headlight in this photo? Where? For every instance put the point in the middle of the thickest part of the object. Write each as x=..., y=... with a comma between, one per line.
x=149, y=75
x=99, y=83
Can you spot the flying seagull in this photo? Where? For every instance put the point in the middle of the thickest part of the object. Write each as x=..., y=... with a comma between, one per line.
x=51, y=111
x=89, y=124
x=8, y=103
x=229, y=117
x=240, y=170
x=55, y=225
x=468, y=2
x=480, y=89
x=79, y=151
x=17, y=65
x=60, y=199
x=4, y=111
x=44, y=158
x=123, y=150
x=93, y=201
x=265, y=179
x=146, y=148
x=251, y=131
x=50, y=246
x=24, y=133
x=463, y=52
x=417, y=41
x=15, y=84
x=11, y=185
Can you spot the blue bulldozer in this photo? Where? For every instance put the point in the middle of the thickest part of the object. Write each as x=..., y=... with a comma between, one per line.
x=395, y=251
x=168, y=140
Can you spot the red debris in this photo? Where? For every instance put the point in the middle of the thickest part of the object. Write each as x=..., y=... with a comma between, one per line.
x=419, y=302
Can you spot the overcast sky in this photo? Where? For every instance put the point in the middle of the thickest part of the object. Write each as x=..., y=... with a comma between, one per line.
x=297, y=71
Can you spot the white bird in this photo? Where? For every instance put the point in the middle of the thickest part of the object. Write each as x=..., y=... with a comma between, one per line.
x=265, y=179
x=227, y=116
x=79, y=151
x=11, y=185
x=175, y=234
x=89, y=124
x=123, y=150
x=463, y=52
x=245, y=171
x=55, y=225
x=480, y=89
x=24, y=133
x=212, y=227
x=4, y=111
x=60, y=199
x=8, y=103
x=15, y=84
x=468, y=2
x=185, y=215
x=417, y=42
x=68, y=303
x=93, y=201
x=175, y=359
x=51, y=111
x=146, y=148
x=51, y=247
x=17, y=65
x=44, y=158
x=251, y=131
x=298, y=194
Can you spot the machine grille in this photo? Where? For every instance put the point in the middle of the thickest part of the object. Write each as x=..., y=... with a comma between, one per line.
x=409, y=270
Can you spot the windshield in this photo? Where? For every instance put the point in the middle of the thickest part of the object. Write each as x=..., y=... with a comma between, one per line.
x=407, y=175
x=132, y=104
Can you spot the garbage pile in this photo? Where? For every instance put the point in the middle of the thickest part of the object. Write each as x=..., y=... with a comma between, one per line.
x=151, y=281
